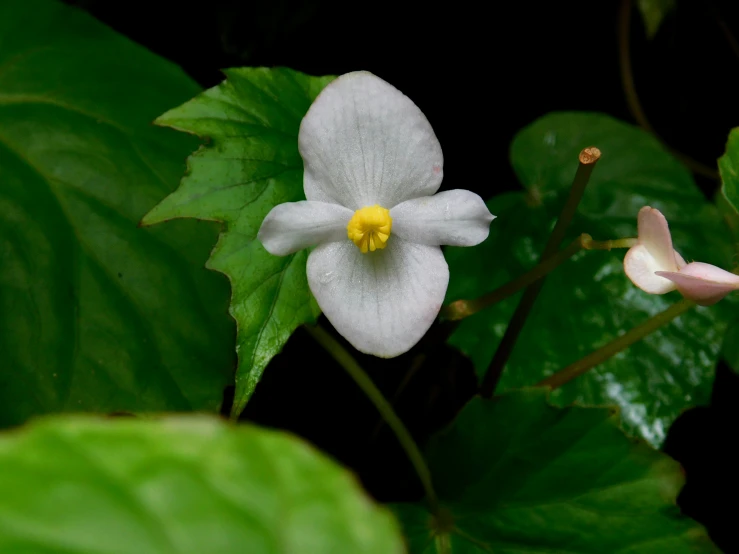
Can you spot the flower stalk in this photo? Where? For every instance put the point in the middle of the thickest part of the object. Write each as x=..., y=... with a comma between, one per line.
x=581, y=366
x=461, y=309
x=360, y=377
x=588, y=158
x=632, y=98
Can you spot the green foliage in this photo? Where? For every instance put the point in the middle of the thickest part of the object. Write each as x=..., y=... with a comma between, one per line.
x=517, y=475
x=728, y=202
x=728, y=166
x=588, y=301
x=98, y=314
x=250, y=164
x=95, y=313
x=653, y=13
x=182, y=484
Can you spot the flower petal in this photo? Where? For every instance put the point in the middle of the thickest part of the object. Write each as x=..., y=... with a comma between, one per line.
x=455, y=217
x=382, y=302
x=640, y=266
x=292, y=226
x=364, y=142
x=654, y=234
x=704, y=284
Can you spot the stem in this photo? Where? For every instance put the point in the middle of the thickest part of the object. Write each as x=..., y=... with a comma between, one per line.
x=727, y=34
x=576, y=369
x=416, y=364
x=590, y=244
x=627, y=75
x=355, y=371
x=463, y=308
x=588, y=158
x=460, y=309
x=632, y=98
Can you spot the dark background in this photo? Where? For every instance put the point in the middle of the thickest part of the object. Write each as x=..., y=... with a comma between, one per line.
x=479, y=73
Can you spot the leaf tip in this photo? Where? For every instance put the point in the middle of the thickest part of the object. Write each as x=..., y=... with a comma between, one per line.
x=155, y=216
x=237, y=408
x=163, y=120
x=148, y=220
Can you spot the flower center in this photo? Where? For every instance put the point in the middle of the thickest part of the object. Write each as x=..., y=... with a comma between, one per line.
x=369, y=228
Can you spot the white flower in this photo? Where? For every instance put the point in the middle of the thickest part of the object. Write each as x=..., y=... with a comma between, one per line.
x=372, y=164
x=655, y=267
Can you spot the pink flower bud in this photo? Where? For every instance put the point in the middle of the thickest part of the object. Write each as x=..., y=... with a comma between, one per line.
x=655, y=267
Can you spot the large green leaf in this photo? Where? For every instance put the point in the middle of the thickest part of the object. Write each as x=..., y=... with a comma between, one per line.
x=516, y=475
x=96, y=314
x=588, y=301
x=250, y=164
x=176, y=486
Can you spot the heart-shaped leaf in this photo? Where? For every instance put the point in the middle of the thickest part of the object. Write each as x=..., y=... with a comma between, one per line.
x=589, y=301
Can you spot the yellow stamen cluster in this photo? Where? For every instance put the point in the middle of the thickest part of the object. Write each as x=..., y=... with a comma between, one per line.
x=369, y=228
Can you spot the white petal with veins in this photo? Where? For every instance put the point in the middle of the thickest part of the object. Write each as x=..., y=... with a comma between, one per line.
x=364, y=142
x=384, y=302
x=292, y=226
x=454, y=217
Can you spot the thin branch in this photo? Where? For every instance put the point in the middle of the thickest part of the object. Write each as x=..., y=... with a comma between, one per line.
x=460, y=309
x=581, y=366
x=632, y=98
x=355, y=371
x=588, y=158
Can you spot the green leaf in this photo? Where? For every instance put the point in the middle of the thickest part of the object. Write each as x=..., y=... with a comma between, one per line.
x=653, y=13
x=250, y=165
x=95, y=313
x=588, y=301
x=728, y=166
x=517, y=475
x=190, y=484
x=727, y=202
